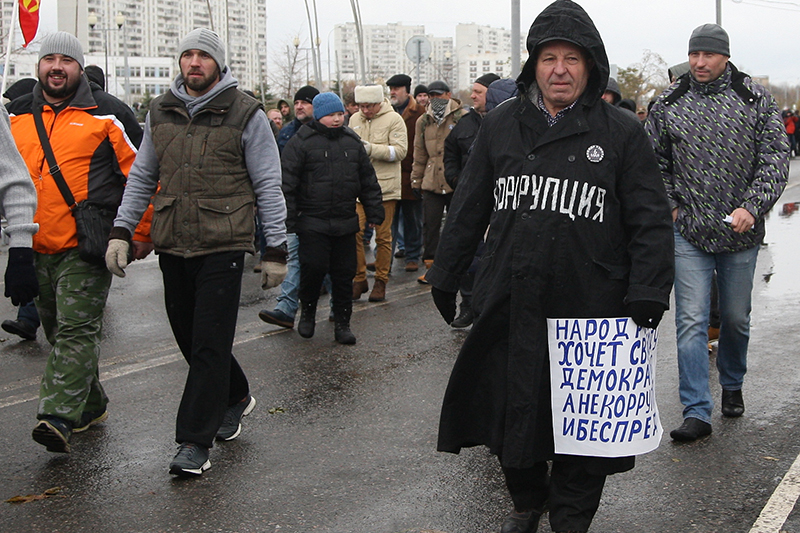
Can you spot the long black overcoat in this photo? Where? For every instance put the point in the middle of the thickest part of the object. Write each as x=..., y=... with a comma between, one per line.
x=579, y=225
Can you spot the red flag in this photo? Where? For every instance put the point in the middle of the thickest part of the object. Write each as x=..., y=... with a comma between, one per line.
x=28, y=19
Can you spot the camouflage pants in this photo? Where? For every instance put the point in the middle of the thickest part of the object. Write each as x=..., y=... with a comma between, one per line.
x=72, y=295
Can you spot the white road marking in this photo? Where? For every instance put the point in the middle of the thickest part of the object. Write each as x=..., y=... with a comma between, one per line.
x=781, y=503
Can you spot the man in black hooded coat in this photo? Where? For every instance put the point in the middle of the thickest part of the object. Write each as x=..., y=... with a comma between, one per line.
x=579, y=227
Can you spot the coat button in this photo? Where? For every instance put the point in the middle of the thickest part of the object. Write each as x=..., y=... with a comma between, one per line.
x=531, y=157
x=571, y=159
x=525, y=216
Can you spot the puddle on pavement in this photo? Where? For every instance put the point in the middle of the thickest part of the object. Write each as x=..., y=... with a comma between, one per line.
x=780, y=260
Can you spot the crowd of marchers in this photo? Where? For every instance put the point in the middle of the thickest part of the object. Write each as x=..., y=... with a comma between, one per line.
x=676, y=200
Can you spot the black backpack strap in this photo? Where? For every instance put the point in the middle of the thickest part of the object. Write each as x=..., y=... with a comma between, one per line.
x=55, y=170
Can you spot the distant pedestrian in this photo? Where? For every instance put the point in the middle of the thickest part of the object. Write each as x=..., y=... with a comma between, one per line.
x=427, y=175
x=408, y=215
x=456, y=152
x=383, y=132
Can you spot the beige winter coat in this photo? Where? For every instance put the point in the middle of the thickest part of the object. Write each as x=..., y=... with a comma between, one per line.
x=428, y=170
x=386, y=129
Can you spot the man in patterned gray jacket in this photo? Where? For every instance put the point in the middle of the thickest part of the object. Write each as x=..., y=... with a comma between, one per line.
x=723, y=155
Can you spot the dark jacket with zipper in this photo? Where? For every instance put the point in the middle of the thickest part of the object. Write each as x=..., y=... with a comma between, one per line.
x=324, y=171
x=457, y=145
x=579, y=225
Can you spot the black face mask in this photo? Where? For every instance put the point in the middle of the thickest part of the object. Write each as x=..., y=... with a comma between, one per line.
x=331, y=133
x=439, y=108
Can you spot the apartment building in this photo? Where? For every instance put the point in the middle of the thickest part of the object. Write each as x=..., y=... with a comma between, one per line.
x=149, y=34
x=385, y=53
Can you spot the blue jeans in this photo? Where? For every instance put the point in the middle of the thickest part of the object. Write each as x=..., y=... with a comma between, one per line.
x=287, y=301
x=693, y=272
x=410, y=213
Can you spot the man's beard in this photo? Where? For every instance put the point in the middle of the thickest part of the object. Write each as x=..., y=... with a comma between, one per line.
x=65, y=91
x=200, y=85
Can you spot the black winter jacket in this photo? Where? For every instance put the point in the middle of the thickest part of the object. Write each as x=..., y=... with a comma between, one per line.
x=324, y=171
x=579, y=225
x=457, y=145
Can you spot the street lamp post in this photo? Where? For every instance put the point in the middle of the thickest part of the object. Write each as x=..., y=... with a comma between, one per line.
x=119, y=20
x=297, y=46
x=92, y=20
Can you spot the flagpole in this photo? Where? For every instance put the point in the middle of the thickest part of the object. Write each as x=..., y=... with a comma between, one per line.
x=14, y=15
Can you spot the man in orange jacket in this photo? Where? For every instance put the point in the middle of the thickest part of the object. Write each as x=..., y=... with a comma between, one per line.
x=94, y=138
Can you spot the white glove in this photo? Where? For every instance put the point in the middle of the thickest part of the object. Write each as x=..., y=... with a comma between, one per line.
x=117, y=256
x=367, y=147
x=272, y=274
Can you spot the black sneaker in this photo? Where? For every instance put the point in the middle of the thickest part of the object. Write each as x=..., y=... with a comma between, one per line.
x=89, y=419
x=191, y=460
x=53, y=433
x=232, y=423
x=21, y=328
x=279, y=318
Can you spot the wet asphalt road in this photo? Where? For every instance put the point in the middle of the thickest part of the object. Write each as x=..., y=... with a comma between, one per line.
x=343, y=438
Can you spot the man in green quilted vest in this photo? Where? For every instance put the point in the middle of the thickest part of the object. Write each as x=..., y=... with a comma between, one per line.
x=210, y=148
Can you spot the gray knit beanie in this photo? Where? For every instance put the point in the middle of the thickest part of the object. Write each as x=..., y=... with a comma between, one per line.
x=207, y=41
x=62, y=43
x=710, y=38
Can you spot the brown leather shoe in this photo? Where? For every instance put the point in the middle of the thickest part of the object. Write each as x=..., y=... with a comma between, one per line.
x=378, y=293
x=412, y=266
x=359, y=288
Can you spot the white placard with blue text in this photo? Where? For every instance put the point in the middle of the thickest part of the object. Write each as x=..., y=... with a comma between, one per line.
x=602, y=382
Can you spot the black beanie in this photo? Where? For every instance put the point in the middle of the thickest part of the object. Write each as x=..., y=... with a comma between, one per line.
x=306, y=94
x=487, y=79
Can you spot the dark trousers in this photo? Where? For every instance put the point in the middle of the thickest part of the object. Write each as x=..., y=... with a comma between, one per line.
x=572, y=494
x=433, y=206
x=321, y=254
x=202, y=299
x=408, y=223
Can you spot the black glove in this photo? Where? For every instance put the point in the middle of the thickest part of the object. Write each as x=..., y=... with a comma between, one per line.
x=21, y=283
x=445, y=303
x=646, y=313
x=417, y=193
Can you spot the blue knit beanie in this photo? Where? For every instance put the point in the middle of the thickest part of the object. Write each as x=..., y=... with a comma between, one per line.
x=325, y=104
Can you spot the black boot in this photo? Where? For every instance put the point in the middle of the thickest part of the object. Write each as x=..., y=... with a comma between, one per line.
x=464, y=318
x=308, y=319
x=341, y=330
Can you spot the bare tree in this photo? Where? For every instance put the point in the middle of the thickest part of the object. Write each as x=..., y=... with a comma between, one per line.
x=289, y=66
x=644, y=80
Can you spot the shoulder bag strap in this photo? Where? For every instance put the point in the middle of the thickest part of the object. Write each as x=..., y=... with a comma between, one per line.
x=55, y=170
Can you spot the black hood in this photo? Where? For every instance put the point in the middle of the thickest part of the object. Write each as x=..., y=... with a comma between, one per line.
x=565, y=20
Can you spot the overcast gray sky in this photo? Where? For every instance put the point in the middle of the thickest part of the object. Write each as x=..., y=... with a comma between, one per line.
x=765, y=34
